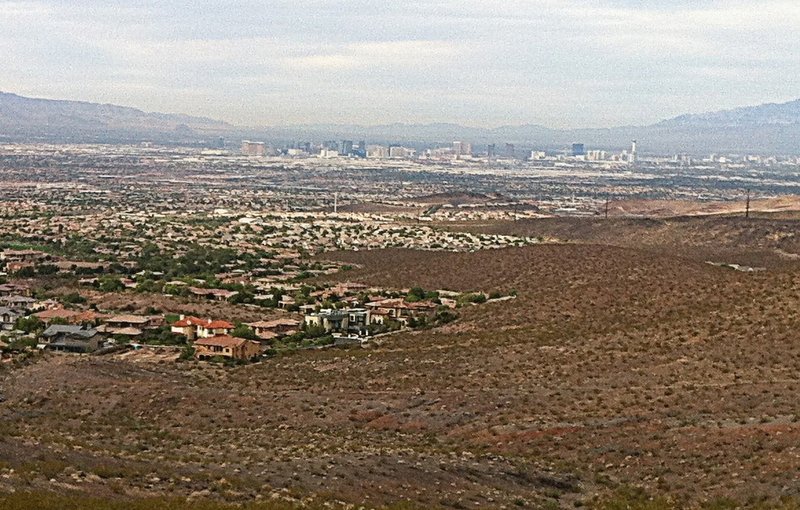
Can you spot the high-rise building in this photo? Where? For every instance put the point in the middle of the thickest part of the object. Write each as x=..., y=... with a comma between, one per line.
x=462, y=148
x=253, y=148
x=377, y=152
x=400, y=152
x=509, y=150
x=361, y=149
x=490, y=150
x=578, y=149
x=328, y=153
x=632, y=155
x=347, y=147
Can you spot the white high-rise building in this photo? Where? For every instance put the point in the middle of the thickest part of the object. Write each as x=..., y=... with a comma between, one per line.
x=377, y=152
x=632, y=155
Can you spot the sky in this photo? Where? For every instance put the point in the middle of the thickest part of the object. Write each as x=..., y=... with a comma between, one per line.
x=558, y=63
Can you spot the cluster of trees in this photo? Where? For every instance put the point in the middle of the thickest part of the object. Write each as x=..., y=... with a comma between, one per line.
x=419, y=294
x=76, y=247
x=198, y=261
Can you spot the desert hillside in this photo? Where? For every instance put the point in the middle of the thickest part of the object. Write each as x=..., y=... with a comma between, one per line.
x=613, y=367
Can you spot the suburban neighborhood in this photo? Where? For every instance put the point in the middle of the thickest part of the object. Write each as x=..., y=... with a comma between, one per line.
x=294, y=315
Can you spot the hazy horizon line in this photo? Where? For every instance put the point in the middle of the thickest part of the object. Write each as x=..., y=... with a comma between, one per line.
x=392, y=123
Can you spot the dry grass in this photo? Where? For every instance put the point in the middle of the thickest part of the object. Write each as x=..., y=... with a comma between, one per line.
x=614, y=367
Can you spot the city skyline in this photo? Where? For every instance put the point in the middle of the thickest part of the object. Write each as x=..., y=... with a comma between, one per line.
x=558, y=64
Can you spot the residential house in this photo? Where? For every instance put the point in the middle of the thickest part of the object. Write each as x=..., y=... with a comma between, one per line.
x=186, y=326
x=8, y=318
x=286, y=301
x=27, y=256
x=215, y=294
x=347, y=288
x=17, y=301
x=193, y=327
x=268, y=330
x=399, y=309
x=76, y=339
x=130, y=325
x=80, y=266
x=61, y=314
x=14, y=266
x=11, y=289
x=214, y=328
x=89, y=317
x=305, y=309
x=358, y=321
x=226, y=347
x=353, y=321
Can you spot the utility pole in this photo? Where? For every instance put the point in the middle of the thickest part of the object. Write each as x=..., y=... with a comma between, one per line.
x=747, y=205
x=606, y=212
x=335, y=203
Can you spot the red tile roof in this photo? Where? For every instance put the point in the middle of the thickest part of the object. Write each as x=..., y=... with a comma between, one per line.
x=56, y=313
x=218, y=325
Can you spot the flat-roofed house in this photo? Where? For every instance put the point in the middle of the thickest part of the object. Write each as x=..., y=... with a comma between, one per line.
x=352, y=321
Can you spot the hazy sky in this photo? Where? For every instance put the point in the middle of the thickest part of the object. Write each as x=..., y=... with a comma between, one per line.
x=561, y=63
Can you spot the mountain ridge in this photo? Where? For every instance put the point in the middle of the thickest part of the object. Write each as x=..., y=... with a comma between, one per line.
x=770, y=127
x=22, y=116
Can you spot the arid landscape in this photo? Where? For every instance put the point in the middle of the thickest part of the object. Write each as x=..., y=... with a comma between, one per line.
x=422, y=255
x=624, y=367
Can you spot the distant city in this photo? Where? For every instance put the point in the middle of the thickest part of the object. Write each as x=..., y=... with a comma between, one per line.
x=464, y=152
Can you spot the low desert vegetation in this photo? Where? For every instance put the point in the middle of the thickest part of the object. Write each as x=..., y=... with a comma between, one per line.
x=588, y=370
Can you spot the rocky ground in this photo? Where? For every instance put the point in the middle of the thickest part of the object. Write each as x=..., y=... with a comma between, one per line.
x=614, y=367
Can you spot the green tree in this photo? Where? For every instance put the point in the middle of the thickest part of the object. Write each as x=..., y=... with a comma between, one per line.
x=415, y=294
x=244, y=331
x=187, y=353
x=26, y=272
x=111, y=284
x=73, y=298
x=47, y=269
x=30, y=324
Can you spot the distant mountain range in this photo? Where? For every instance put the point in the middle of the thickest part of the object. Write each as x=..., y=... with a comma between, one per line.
x=57, y=120
x=768, y=128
